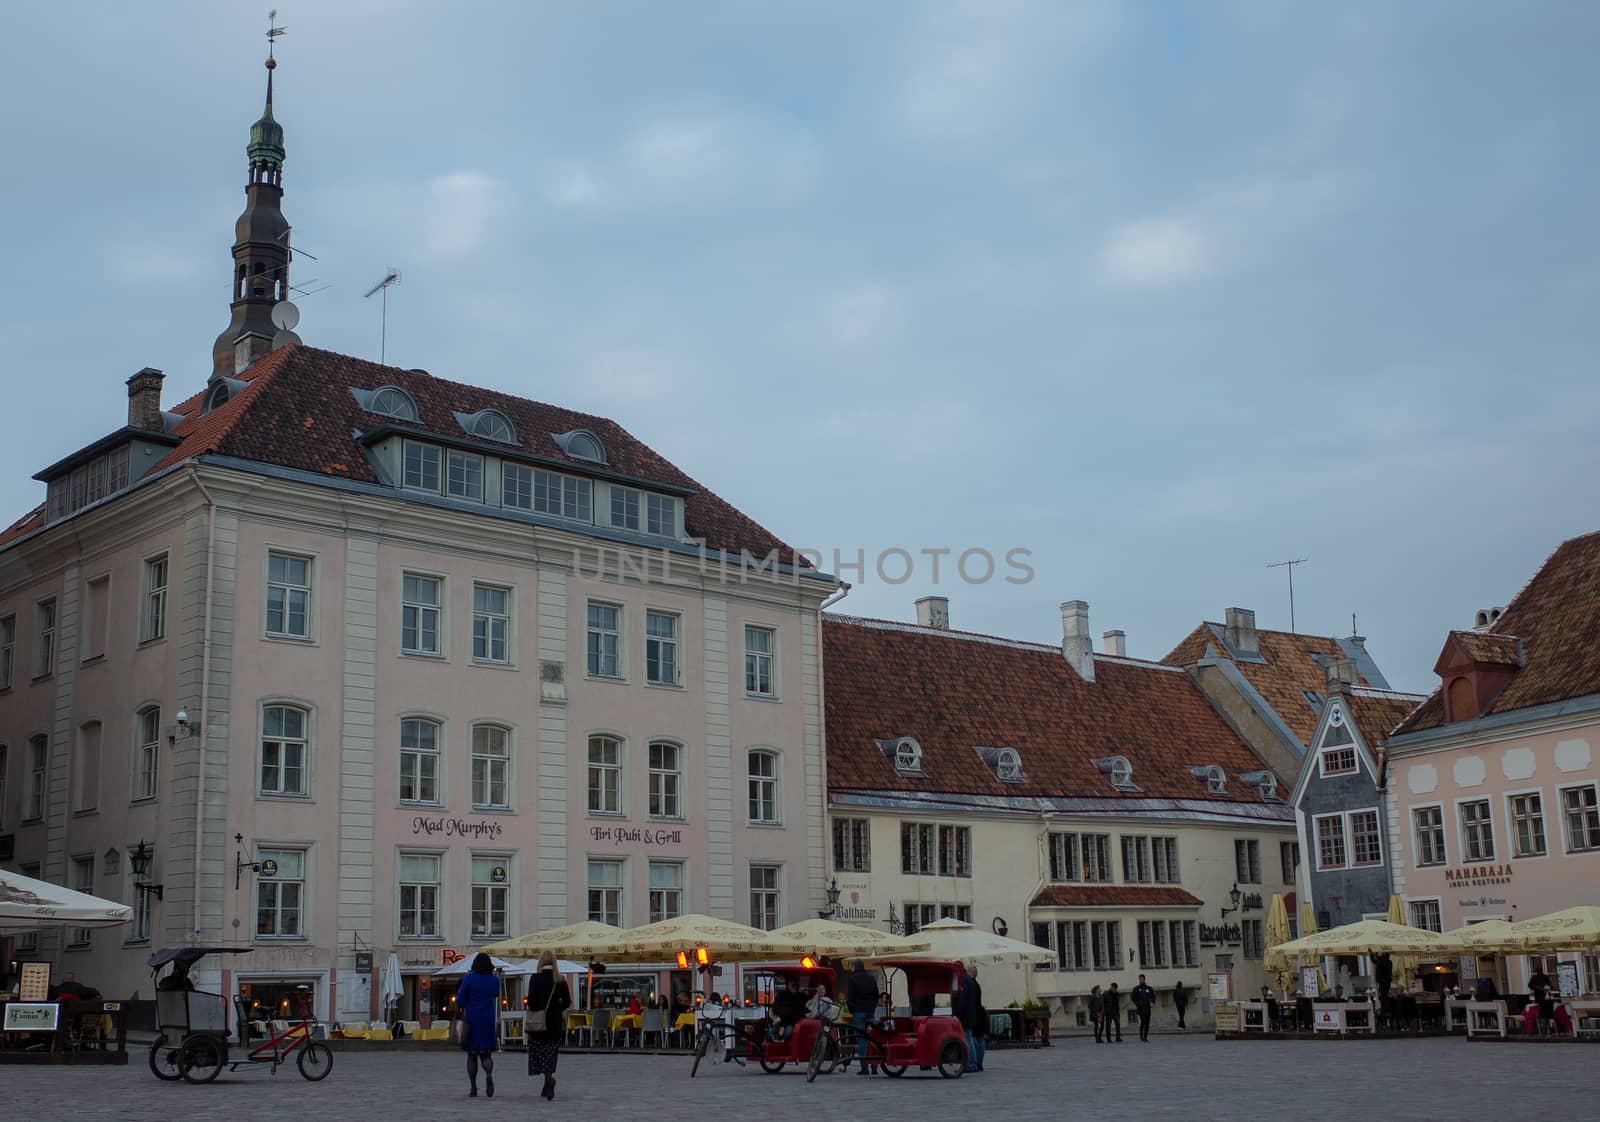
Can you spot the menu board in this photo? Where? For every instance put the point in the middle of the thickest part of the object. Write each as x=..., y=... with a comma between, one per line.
x=35, y=984
x=1309, y=985
x=1227, y=1018
x=1567, y=978
x=1218, y=985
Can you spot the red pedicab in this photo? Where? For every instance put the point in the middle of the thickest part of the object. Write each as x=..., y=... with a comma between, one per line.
x=761, y=1040
x=922, y=1041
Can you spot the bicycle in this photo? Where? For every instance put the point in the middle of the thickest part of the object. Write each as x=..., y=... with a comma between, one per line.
x=715, y=1030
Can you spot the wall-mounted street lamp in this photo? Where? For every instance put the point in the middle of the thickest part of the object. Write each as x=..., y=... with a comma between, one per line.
x=832, y=893
x=1233, y=899
x=139, y=861
x=184, y=728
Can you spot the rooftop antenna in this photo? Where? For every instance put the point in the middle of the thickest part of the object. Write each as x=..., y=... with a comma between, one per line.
x=1290, y=566
x=1353, y=631
x=393, y=277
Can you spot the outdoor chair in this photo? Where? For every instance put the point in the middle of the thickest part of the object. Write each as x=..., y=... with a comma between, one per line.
x=600, y=1023
x=655, y=1021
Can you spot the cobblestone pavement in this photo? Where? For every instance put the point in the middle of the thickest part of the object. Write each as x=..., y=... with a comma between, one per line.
x=1172, y=1077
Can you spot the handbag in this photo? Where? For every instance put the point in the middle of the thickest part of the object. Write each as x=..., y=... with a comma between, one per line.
x=458, y=1031
x=538, y=1020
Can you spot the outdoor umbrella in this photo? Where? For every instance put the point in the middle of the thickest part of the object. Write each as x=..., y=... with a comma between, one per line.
x=575, y=940
x=1277, y=933
x=1484, y=937
x=463, y=965
x=958, y=941
x=1571, y=929
x=530, y=966
x=1367, y=937
x=1308, y=926
x=34, y=905
x=722, y=939
x=842, y=940
x=1404, y=965
x=390, y=987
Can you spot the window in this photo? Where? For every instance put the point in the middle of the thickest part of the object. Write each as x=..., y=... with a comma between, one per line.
x=1008, y=766
x=907, y=756
x=1425, y=914
x=491, y=767
x=624, y=508
x=1428, y=822
x=1165, y=853
x=917, y=916
x=419, y=614
x=1063, y=857
x=1289, y=855
x=38, y=776
x=86, y=769
x=763, y=776
x=1072, y=944
x=852, y=845
x=564, y=496
x=1330, y=842
x=419, y=895
x=666, y=780
x=29, y=940
x=1580, y=813
x=96, y=610
x=392, y=401
x=758, y=655
x=464, y=476
x=661, y=648
x=605, y=775
x=147, y=752
x=661, y=515
x=604, y=640
x=280, y=889
x=1338, y=761
x=1152, y=943
x=666, y=890
x=1477, y=831
x=5, y=768
x=153, y=620
x=1105, y=940
x=491, y=624
x=421, y=468
x=8, y=651
x=492, y=425
x=955, y=851
x=1247, y=861
x=82, y=881
x=516, y=486
x=489, y=888
x=1183, y=938
x=44, y=643
x=765, y=904
x=288, y=596
x=1366, y=848
x=419, y=761
x=1135, y=860
x=283, y=750
x=581, y=444
x=917, y=851
x=1591, y=973
x=1097, y=858
x=1253, y=941
x=1527, y=821
x=605, y=892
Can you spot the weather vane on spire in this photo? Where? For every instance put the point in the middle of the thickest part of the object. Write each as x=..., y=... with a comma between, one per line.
x=273, y=31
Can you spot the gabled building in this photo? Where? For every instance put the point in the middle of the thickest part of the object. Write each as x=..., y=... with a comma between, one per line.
x=1496, y=786
x=1092, y=803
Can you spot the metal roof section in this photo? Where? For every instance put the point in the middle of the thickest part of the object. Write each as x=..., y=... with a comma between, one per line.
x=1194, y=810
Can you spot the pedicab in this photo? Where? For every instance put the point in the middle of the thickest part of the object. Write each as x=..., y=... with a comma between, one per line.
x=926, y=1041
x=761, y=1040
x=194, y=1043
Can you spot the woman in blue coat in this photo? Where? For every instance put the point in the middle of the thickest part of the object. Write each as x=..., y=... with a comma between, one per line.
x=478, y=1003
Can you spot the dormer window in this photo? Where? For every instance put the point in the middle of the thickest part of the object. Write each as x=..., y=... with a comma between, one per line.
x=488, y=424
x=581, y=444
x=1216, y=779
x=392, y=401
x=1119, y=770
x=1006, y=763
x=1266, y=783
x=218, y=396
x=905, y=753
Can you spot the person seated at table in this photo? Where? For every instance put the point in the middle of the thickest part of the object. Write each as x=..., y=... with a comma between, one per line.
x=682, y=1002
x=788, y=1008
x=635, y=1006
x=71, y=989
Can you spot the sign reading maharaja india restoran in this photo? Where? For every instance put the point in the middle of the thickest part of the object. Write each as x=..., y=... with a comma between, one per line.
x=1477, y=876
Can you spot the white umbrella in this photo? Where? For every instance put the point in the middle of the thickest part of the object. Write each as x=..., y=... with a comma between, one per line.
x=463, y=965
x=35, y=905
x=958, y=941
x=390, y=987
x=530, y=966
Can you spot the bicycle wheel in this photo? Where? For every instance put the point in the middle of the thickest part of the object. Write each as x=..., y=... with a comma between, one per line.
x=702, y=1045
x=316, y=1060
x=164, y=1061
x=202, y=1058
x=824, y=1056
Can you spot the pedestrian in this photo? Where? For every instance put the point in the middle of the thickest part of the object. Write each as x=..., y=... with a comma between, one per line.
x=1180, y=1001
x=980, y=1032
x=478, y=999
x=965, y=1008
x=1383, y=968
x=861, y=998
x=1097, y=1013
x=1144, y=999
x=1113, y=1008
x=549, y=998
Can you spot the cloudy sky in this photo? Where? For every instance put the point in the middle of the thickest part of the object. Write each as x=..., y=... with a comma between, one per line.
x=1159, y=292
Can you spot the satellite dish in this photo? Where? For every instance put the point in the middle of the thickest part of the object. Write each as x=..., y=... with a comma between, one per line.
x=285, y=315
x=284, y=338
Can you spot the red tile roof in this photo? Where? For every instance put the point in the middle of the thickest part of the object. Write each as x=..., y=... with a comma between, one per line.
x=298, y=412
x=1113, y=895
x=1556, y=619
x=1489, y=649
x=953, y=691
x=1378, y=711
x=25, y=525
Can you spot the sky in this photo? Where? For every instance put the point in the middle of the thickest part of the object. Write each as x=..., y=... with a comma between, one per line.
x=1158, y=293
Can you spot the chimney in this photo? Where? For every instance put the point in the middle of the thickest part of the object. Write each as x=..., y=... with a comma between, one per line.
x=1341, y=676
x=1077, y=645
x=1486, y=618
x=1241, y=632
x=144, y=400
x=934, y=611
x=1116, y=643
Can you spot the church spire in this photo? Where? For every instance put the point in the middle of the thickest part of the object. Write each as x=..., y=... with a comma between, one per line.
x=261, y=244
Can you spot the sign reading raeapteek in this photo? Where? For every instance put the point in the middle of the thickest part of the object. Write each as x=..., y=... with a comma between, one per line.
x=31, y=1016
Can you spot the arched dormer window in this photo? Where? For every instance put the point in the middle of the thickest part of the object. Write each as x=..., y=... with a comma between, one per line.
x=392, y=401
x=491, y=424
x=1008, y=766
x=218, y=396
x=581, y=444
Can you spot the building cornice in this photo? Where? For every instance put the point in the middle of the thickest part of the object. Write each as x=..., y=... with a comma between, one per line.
x=1557, y=716
x=1196, y=811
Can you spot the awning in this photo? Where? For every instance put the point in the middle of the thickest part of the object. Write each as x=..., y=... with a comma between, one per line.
x=35, y=905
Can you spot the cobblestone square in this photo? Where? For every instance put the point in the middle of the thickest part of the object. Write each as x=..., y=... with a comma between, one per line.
x=1172, y=1077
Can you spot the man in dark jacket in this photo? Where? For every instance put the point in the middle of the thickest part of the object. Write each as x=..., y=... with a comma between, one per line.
x=969, y=999
x=1143, y=999
x=1097, y=1013
x=1113, y=1007
x=1383, y=970
x=861, y=998
x=1180, y=1001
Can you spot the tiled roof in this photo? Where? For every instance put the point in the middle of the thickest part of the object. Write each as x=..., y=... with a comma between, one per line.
x=1112, y=895
x=1378, y=711
x=953, y=691
x=1488, y=648
x=1556, y=617
x=298, y=412
x=25, y=525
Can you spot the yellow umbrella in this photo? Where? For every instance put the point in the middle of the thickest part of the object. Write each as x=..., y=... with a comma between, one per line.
x=1484, y=937
x=1367, y=937
x=572, y=941
x=723, y=940
x=1308, y=926
x=1404, y=965
x=1571, y=929
x=842, y=940
x=1277, y=932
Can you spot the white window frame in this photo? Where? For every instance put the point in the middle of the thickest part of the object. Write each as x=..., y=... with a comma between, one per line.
x=627, y=508
x=763, y=789
x=596, y=774
x=153, y=597
x=665, y=790
x=1287, y=866
x=1461, y=828
x=1350, y=836
x=666, y=902
x=852, y=852
x=764, y=898
x=660, y=515
x=485, y=762
x=418, y=908
x=45, y=618
x=1250, y=859
x=484, y=624
x=557, y=495
x=284, y=742
x=146, y=753
x=601, y=641
x=8, y=650
x=81, y=938
x=413, y=634
x=484, y=894
x=1416, y=838
x=37, y=795
x=460, y=466
x=1102, y=869
x=288, y=589
x=663, y=653
x=1438, y=911
x=1344, y=840
x=758, y=661
x=955, y=843
x=1322, y=760
x=416, y=756
x=612, y=898
x=424, y=451
x=1566, y=834
x=263, y=851
x=1512, y=835
x=95, y=633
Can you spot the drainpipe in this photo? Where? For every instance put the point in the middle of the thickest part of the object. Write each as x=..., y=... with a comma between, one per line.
x=205, y=689
x=1041, y=854
x=822, y=718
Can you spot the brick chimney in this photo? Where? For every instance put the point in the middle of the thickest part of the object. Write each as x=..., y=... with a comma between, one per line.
x=1241, y=631
x=934, y=611
x=1341, y=675
x=144, y=400
x=1116, y=643
x=1077, y=645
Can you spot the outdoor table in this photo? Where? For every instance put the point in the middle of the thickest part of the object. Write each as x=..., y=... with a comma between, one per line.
x=1585, y=1016
x=626, y=1022
x=1486, y=1018
x=577, y=1022
x=683, y=1021
x=1456, y=1014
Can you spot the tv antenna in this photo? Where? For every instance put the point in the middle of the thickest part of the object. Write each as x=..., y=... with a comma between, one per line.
x=1290, y=566
x=391, y=278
